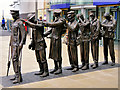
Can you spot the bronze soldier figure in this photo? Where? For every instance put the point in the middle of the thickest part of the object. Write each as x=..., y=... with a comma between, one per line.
x=95, y=32
x=73, y=28
x=84, y=35
x=18, y=38
x=55, y=45
x=38, y=44
x=109, y=25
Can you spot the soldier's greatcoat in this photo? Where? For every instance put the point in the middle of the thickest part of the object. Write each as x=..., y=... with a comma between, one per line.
x=55, y=43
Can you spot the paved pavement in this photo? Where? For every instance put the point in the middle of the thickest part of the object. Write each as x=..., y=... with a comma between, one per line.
x=103, y=77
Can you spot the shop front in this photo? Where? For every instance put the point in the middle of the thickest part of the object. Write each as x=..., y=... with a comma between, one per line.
x=112, y=7
x=63, y=5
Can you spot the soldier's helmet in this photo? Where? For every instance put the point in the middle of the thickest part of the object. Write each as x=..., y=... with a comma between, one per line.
x=71, y=14
x=92, y=14
x=14, y=12
x=57, y=11
x=30, y=16
x=106, y=15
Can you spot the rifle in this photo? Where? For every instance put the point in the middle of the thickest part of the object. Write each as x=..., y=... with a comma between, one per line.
x=9, y=60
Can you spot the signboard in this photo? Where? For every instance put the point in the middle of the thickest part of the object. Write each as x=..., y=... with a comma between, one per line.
x=106, y=2
x=60, y=6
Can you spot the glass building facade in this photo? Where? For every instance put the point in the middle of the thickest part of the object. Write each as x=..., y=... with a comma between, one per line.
x=54, y=2
x=72, y=2
x=85, y=6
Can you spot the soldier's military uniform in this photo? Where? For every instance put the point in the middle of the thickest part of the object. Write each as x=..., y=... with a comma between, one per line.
x=73, y=28
x=95, y=33
x=38, y=44
x=109, y=25
x=55, y=44
x=18, y=38
x=84, y=35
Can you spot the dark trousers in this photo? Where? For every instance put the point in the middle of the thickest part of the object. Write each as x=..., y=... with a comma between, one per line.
x=41, y=59
x=84, y=50
x=41, y=56
x=73, y=56
x=95, y=49
x=3, y=26
x=108, y=42
x=15, y=52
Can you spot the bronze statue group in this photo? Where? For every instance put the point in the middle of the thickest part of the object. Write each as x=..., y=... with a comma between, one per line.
x=80, y=33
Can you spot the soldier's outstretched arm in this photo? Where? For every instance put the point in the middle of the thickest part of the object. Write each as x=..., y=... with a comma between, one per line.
x=38, y=25
x=28, y=23
x=54, y=24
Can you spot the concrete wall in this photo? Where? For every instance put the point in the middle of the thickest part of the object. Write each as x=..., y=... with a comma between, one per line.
x=28, y=6
x=41, y=4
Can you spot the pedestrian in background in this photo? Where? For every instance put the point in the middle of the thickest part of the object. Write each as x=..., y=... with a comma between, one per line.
x=40, y=18
x=3, y=23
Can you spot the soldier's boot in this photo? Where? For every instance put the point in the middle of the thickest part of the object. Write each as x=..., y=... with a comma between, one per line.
x=46, y=71
x=70, y=68
x=18, y=76
x=14, y=68
x=85, y=67
x=18, y=79
x=55, y=68
x=75, y=69
x=83, y=64
x=95, y=65
x=113, y=62
x=59, y=71
x=13, y=78
x=105, y=61
x=41, y=69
